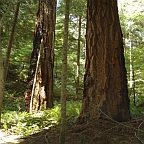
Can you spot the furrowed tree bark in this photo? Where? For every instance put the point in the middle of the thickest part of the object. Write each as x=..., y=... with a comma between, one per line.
x=39, y=92
x=105, y=82
x=6, y=64
x=64, y=77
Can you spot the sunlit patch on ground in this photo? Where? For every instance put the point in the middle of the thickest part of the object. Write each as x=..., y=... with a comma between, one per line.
x=6, y=138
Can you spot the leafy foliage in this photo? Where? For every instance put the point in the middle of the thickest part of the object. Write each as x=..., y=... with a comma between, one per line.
x=16, y=120
x=131, y=16
x=77, y=8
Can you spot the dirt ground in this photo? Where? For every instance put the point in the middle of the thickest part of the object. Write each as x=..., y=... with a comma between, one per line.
x=99, y=132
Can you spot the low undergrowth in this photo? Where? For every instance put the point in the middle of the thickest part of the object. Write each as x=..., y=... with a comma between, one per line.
x=16, y=120
x=137, y=107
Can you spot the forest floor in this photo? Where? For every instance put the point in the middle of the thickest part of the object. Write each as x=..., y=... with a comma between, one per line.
x=100, y=132
x=6, y=138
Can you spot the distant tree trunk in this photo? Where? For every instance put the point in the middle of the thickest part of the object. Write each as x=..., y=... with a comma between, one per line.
x=6, y=64
x=1, y=78
x=64, y=76
x=39, y=92
x=131, y=78
x=134, y=87
x=131, y=64
x=78, y=58
x=105, y=83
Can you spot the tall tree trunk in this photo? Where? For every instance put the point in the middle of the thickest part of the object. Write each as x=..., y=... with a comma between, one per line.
x=131, y=64
x=1, y=78
x=39, y=92
x=105, y=83
x=6, y=64
x=78, y=58
x=64, y=76
x=131, y=78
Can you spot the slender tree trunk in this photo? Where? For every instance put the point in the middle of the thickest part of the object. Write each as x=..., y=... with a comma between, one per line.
x=64, y=76
x=1, y=78
x=132, y=80
x=78, y=58
x=134, y=91
x=6, y=64
x=39, y=92
x=131, y=65
x=105, y=83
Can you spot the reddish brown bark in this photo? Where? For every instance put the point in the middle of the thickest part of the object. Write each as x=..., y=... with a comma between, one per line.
x=43, y=43
x=105, y=82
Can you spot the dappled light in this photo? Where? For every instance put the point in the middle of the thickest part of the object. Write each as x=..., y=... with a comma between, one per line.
x=82, y=56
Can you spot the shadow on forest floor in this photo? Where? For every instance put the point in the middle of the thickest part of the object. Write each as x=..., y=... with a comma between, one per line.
x=100, y=132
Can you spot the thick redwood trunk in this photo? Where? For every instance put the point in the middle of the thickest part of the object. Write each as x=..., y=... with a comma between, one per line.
x=42, y=96
x=105, y=82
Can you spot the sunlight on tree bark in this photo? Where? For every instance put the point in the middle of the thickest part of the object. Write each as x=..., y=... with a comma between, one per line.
x=105, y=81
x=39, y=92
